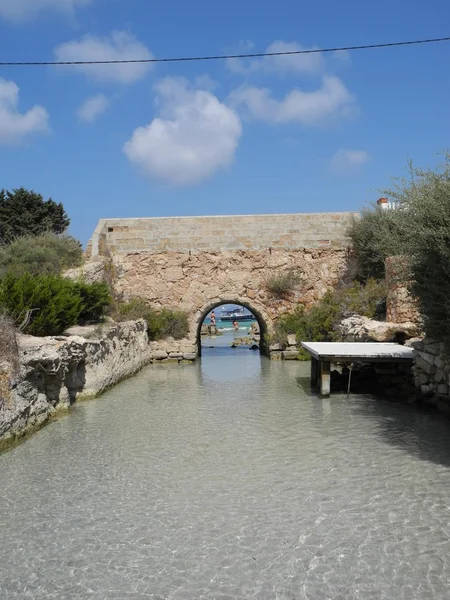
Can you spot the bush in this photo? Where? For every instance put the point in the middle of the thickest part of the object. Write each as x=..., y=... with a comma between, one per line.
x=95, y=298
x=171, y=323
x=282, y=283
x=48, y=305
x=166, y=323
x=319, y=323
x=55, y=303
x=45, y=254
x=134, y=309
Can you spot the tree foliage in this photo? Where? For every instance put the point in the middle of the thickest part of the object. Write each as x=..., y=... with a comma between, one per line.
x=24, y=212
x=44, y=254
x=375, y=235
x=418, y=230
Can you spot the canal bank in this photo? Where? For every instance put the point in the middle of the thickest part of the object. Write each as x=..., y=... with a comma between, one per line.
x=56, y=372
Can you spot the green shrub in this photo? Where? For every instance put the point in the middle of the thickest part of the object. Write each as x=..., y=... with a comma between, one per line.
x=55, y=303
x=134, y=309
x=48, y=305
x=162, y=324
x=172, y=323
x=46, y=254
x=282, y=283
x=95, y=298
x=319, y=323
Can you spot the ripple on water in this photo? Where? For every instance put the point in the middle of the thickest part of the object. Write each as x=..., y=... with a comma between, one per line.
x=228, y=480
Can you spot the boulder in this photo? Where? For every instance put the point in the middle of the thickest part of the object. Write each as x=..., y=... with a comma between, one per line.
x=92, y=272
x=363, y=329
x=292, y=339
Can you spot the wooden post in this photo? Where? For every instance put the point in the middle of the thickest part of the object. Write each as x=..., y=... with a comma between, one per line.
x=314, y=373
x=325, y=378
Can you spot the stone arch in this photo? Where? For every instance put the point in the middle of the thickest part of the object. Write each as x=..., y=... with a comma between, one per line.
x=262, y=317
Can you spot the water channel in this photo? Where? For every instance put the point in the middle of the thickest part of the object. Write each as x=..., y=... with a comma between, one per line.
x=228, y=480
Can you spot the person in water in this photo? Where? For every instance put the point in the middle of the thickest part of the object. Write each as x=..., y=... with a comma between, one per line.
x=235, y=325
x=212, y=316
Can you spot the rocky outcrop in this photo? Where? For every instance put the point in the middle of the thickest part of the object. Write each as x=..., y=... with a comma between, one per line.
x=57, y=371
x=90, y=272
x=363, y=329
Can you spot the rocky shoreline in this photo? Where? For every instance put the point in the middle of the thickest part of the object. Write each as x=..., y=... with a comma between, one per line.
x=58, y=371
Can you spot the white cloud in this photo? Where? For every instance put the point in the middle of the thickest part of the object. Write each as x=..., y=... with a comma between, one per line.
x=92, y=108
x=194, y=136
x=296, y=63
x=20, y=10
x=329, y=103
x=120, y=45
x=16, y=126
x=348, y=162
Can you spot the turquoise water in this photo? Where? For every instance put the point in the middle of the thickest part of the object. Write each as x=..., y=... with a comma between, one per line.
x=228, y=480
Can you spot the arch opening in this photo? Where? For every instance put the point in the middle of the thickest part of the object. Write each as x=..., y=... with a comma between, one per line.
x=248, y=332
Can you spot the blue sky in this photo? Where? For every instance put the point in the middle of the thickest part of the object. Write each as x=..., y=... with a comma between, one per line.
x=316, y=133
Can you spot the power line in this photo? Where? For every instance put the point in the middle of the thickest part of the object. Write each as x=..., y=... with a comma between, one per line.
x=219, y=57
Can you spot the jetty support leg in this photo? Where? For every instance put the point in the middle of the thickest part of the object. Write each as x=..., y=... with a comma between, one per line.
x=325, y=378
x=314, y=373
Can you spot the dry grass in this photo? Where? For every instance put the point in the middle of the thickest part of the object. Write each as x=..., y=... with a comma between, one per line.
x=282, y=283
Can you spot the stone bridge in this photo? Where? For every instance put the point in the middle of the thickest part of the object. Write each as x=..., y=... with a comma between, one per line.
x=198, y=263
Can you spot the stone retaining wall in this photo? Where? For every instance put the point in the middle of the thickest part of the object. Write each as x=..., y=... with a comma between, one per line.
x=57, y=371
x=432, y=374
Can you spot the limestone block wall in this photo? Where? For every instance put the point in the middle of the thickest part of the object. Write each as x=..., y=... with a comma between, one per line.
x=219, y=233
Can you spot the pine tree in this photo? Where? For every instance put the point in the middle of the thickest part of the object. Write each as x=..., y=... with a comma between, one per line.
x=24, y=212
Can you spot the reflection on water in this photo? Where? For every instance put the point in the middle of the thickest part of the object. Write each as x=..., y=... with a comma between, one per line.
x=228, y=480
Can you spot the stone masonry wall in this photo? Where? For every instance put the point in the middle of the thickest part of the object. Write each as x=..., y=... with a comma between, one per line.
x=400, y=306
x=196, y=283
x=432, y=374
x=219, y=233
x=57, y=371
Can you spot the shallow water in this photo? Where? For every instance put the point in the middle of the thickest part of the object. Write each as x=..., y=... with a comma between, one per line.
x=228, y=480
